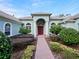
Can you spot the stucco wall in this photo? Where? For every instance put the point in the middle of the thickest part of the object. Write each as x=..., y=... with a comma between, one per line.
x=1, y=25
x=54, y=21
x=32, y=26
x=70, y=25
x=74, y=25
x=77, y=24
x=15, y=26
x=46, y=19
x=35, y=18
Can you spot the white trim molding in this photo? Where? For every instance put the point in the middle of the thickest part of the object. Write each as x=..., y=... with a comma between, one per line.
x=10, y=27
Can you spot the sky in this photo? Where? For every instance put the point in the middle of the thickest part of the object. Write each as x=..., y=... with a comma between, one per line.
x=22, y=8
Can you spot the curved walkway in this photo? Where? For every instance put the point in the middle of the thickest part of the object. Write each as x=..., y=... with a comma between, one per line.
x=42, y=50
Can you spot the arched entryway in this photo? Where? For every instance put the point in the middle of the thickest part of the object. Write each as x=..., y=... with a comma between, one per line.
x=40, y=26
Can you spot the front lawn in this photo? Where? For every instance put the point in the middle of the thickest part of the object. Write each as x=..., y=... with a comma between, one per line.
x=64, y=51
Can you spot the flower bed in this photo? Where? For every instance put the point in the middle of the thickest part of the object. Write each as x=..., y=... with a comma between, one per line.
x=28, y=53
x=22, y=39
x=20, y=43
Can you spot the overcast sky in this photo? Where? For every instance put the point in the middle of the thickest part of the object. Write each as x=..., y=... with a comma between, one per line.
x=22, y=8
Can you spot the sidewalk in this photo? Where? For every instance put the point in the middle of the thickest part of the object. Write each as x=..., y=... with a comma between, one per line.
x=42, y=50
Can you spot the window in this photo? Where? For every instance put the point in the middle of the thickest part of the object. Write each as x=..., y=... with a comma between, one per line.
x=52, y=24
x=7, y=29
x=22, y=25
x=78, y=26
x=28, y=26
x=59, y=23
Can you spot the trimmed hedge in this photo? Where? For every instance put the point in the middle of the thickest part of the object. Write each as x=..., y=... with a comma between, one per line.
x=24, y=30
x=69, y=36
x=56, y=29
x=5, y=47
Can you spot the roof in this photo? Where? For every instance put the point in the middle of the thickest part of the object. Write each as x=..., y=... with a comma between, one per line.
x=27, y=17
x=5, y=15
x=51, y=17
x=41, y=13
x=64, y=18
x=57, y=17
x=69, y=19
x=74, y=17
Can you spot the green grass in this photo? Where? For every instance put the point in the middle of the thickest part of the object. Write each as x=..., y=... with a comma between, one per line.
x=66, y=52
x=28, y=52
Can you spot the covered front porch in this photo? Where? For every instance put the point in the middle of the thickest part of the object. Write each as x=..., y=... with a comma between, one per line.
x=41, y=27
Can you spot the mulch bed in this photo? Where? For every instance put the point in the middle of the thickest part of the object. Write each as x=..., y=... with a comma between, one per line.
x=17, y=52
x=57, y=39
x=75, y=46
x=19, y=43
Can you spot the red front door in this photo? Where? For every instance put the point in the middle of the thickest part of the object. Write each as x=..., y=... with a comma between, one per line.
x=40, y=30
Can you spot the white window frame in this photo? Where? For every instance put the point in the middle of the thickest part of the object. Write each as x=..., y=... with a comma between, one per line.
x=28, y=25
x=10, y=28
x=78, y=26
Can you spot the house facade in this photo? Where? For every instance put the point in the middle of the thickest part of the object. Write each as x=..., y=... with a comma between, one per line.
x=38, y=23
x=9, y=24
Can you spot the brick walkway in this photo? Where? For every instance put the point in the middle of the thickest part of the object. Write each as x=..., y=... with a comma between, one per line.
x=42, y=50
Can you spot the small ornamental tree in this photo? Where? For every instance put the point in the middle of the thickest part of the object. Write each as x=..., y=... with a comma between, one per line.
x=24, y=30
x=5, y=47
x=69, y=36
x=56, y=29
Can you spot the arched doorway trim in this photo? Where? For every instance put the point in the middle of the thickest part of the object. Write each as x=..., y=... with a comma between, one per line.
x=40, y=26
x=7, y=28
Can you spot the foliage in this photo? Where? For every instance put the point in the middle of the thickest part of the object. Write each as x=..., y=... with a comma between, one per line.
x=56, y=48
x=5, y=47
x=66, y=52
x=69, y=36
x=56, y=29
x=24, y=30
x=28, y=52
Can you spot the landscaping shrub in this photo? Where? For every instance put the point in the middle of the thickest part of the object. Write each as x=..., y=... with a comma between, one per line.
x=69, y=55
x=56, y=47
x=69, y=36
x=56, y=29
x=5, y=47
x=28, y=53
x=64, y=51
x=24, y=30
x=55, y=38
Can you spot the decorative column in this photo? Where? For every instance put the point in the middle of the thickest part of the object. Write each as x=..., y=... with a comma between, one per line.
x=35, y=30
x=47, y=30
x=24, y=25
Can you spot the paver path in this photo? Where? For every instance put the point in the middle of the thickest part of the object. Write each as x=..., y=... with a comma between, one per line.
x=42, y=50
